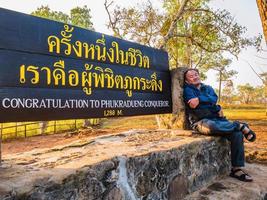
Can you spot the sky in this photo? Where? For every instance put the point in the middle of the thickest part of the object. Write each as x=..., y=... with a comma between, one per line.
x=244, y=11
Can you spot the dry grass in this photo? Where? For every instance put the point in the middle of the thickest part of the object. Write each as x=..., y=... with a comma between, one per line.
x=126, y=123
x=246, y=114
x=257, y=119
x=28, y=129
x=255, y=152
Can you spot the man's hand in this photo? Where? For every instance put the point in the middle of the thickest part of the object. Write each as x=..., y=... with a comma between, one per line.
x=193, y=103
x=221, y=113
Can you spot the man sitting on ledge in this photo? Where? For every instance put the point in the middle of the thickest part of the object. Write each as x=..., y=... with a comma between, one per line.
x=206, y=117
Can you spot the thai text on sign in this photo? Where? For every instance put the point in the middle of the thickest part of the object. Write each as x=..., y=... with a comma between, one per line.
x=50, y=70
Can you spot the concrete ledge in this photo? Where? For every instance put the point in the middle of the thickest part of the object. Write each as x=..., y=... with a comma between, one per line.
x=138, y=164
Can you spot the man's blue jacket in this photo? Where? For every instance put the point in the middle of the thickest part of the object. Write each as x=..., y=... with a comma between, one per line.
x=207, y=107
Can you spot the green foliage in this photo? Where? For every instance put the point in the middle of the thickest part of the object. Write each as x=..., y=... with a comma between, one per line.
x=228, y=95
x=46, y=12
x=141, y=24
x=249, y=94
x=195, y=35
x=81, y=17
x=221, y=66
x=78, y=16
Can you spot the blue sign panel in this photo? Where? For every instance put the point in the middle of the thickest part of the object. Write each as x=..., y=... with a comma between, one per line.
x=50, y=70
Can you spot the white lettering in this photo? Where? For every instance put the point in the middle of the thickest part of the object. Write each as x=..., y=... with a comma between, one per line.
x=4, y=104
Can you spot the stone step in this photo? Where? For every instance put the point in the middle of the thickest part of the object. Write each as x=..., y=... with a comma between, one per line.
x=138, y=164
x=233, y=189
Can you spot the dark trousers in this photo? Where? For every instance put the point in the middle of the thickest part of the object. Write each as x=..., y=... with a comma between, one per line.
x=230, y=130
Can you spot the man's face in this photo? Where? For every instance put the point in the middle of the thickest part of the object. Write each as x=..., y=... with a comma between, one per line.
x=192, y=77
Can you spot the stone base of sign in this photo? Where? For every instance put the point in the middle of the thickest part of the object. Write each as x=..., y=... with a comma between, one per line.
x=138, y=164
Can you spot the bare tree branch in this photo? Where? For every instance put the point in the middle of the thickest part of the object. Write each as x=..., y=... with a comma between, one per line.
x=199, y=60
x=199, y=44
x=254, y=71
x=264, y=58
x=174, y=23
x=112, y=23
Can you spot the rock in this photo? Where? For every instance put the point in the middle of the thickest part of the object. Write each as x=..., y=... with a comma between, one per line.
x=230, y=188
x=159, y=165
x=114, y=194
x=178, y=188
x=198, y=163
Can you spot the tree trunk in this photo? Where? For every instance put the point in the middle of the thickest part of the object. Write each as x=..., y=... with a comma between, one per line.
x=178, y=118
x=157, y=117
x=178, y=106
x=43, y=126
x=86, y=123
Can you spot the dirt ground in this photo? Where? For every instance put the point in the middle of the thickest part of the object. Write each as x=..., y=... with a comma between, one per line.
x=255, y=152
x=48, y=141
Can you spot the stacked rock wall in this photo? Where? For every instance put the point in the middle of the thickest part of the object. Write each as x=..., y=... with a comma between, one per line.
x=168, y=168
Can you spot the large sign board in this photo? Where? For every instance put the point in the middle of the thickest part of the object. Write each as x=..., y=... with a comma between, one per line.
x=50, y=70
